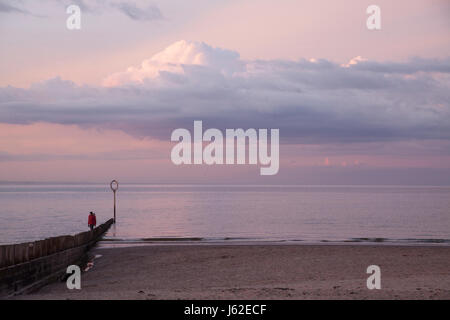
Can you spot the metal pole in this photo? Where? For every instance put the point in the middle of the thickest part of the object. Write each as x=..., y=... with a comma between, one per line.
x=114, y=187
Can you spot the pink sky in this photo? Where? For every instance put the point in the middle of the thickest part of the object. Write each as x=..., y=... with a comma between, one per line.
x=37, y=48
x=113, y=50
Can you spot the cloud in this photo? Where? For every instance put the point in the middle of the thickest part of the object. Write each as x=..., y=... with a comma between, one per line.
x=135, y=10
x=415, y=65
x=172, y=62
x=310, y=101
x=8, y=8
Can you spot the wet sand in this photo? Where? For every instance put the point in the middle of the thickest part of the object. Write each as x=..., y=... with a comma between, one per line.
x=260, y=272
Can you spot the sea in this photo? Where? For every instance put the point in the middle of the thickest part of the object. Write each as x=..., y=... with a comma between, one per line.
x=148, y=214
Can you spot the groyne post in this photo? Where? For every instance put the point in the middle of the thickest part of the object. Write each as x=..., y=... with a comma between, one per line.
x=27, y=266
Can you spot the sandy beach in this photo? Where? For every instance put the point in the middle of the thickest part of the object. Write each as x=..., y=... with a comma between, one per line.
x=260, y=272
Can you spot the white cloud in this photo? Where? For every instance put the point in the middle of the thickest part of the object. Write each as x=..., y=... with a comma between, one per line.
x=354, y=61
x=174, y=58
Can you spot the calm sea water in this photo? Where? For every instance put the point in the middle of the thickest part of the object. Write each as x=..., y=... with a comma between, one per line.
x=231, y=213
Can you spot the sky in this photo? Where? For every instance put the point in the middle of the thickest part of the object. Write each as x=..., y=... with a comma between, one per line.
x=353, y=106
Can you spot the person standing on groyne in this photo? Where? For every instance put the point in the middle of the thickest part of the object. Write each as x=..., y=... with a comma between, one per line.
x=92, y=220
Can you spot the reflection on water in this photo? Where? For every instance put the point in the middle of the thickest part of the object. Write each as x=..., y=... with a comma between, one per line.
x=217, y=213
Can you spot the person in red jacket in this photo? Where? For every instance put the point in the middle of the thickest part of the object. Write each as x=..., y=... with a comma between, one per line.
x=92, y=221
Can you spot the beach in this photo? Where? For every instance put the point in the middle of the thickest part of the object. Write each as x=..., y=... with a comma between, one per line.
x=259, y=271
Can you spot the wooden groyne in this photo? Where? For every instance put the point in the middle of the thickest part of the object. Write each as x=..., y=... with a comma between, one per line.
x=27, y=266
